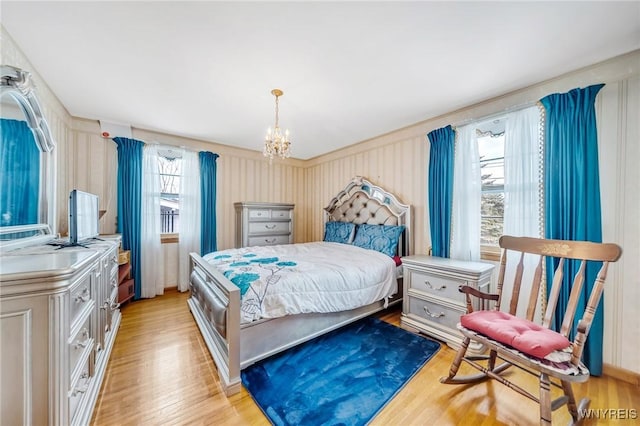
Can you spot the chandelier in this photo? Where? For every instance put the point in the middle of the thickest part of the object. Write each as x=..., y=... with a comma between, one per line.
x=275, y=143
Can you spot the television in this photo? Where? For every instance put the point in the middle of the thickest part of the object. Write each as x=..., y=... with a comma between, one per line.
x=83, y=217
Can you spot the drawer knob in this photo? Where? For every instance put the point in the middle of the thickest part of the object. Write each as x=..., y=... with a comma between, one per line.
x=269, y=240
x=79, y=345
x=84, y=296
x=81, y=389
x=270, y=226
x=85, y=334
x=441, y=314
x=442, y=287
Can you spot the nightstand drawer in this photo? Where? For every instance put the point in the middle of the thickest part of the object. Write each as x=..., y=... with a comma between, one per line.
x=269, y=227
x=437, y=285
x=434, y=312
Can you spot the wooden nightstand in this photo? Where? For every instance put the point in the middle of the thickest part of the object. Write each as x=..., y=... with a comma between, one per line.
x=125, y=282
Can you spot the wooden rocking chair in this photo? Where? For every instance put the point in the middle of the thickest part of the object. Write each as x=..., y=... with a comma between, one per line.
x=522, y=343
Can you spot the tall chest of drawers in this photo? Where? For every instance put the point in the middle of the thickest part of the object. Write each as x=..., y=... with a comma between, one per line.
x=263, y=224
x=431, y=301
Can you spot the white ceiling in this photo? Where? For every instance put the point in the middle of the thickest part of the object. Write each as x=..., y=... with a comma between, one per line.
x=350, y=71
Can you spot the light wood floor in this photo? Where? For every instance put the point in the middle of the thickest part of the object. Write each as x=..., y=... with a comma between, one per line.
x=160, y=373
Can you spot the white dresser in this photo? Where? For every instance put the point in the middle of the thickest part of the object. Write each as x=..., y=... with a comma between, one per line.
x=263, y=224
x=431, y=301
x=58, y=320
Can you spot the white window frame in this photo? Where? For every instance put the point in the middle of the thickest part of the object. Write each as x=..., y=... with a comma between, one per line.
x=171, y=154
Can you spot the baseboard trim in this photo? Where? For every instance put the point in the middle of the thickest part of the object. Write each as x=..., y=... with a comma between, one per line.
x=621, y=374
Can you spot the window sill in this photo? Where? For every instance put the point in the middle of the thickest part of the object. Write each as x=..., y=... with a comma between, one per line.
x=169, y=238
x=491, y=253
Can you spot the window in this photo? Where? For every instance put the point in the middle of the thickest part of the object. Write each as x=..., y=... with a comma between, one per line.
x=497, y=185
x=519, y=136
x=491, y=151
x=170, y=170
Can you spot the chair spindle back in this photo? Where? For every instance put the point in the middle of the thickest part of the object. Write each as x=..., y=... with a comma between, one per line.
x=561, y=250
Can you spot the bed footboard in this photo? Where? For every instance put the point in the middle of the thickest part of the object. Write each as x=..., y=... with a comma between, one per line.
x=215, y=305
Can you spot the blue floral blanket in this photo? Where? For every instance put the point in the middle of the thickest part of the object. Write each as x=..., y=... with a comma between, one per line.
x=301, y=278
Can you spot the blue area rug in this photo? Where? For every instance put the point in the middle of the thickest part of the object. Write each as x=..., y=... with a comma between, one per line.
x=344, y=377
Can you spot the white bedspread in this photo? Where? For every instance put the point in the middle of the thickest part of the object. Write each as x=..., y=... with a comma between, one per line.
x=301, y=278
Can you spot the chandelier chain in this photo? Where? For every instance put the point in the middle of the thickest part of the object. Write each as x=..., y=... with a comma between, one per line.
x=277, y=110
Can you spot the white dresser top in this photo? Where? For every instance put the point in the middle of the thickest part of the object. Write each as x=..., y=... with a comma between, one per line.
x=43, y=264
x=49, y=266
x=256, y=204
x=446, y=264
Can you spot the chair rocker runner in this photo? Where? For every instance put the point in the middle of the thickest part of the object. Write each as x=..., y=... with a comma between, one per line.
x=520, y=342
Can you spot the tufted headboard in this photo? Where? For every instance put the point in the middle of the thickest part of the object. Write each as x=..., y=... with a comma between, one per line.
x=363, y=202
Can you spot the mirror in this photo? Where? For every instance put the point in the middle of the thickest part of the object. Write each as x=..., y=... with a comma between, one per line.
x=27, y=181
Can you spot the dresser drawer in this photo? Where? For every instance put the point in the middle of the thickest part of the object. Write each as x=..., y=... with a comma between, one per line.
x=437, y=285
x=280, y=214
x=260, y=214
x=113, y=276
x=113, y=298
x=78, y=390
x=81, y=297
x=107, y=260
x=113, y=283
x=81, y=342
x=434, y=312
x=268, y=227
x=269, y=240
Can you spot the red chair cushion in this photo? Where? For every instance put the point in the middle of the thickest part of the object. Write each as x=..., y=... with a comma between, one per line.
x=521, y=334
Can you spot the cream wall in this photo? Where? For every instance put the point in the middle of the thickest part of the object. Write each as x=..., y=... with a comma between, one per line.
x=618, y=109
x=242, y=175
x=398, y=162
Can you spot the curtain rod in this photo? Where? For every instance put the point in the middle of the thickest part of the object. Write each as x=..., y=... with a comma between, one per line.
x=497, y=114
x=170, y=147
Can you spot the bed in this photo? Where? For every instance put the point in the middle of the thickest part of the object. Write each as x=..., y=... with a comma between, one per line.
x=237, y=336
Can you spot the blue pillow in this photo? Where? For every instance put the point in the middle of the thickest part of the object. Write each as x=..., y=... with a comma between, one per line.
x=339, y=232
x=382, y=238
